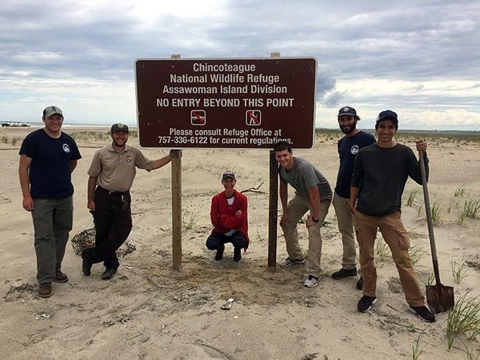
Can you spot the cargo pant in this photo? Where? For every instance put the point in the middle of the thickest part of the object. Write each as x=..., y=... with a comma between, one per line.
x=52, y=222
x=397, y=239
x=297, y=207
x=346, y=223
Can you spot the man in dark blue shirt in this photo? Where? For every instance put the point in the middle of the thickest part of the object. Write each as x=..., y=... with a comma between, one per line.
x=47, y=158
x=348, y=148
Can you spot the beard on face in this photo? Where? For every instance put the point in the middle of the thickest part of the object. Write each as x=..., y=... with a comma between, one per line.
x=117, y=144
x=348, y=129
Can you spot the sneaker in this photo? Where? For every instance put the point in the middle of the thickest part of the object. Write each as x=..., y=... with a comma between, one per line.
x=359, y=284
x=237, y=254
x=108, y=274
x=366, y=303
x=45, y=290
x=311, y=281
x=86, y=265
x=60, y=277
x=423, y=313
x=219, y=254
x=288, y=262
x=343, y=273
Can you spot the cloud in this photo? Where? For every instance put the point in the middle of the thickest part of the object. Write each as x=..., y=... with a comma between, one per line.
x=410, y=55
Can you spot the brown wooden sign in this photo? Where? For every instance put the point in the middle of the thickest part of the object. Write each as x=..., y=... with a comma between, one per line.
x=225, y=103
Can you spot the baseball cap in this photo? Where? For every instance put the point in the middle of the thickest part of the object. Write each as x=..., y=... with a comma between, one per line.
x=50, y=110
x=119, y=127
x=348, y=111
x=228, y=174
x=388, y=114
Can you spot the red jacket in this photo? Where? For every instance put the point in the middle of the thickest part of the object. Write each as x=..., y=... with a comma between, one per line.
x=223, y=215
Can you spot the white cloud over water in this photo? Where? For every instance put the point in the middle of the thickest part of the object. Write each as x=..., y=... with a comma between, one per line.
x=420, y=58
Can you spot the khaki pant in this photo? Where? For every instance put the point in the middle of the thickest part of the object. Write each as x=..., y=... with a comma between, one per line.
x=346, y=223
x=52, y=221
x=397, y=239
x=297, y=207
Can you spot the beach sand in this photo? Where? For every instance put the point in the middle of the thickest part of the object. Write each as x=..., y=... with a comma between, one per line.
x=150, y=311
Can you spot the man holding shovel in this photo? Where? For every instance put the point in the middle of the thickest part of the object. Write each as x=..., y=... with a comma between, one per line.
x=383, y=169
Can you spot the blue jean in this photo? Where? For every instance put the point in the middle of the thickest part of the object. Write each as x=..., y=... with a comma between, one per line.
x=52, y=221
x=217, y=241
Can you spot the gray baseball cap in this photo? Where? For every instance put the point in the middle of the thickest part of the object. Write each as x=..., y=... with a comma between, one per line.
x=119, y=127
x=50, y=110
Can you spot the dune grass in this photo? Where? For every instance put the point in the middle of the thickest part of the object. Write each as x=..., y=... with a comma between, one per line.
x=459, y=270
x=460, y=191
x=417, y=350
x=382, y=249
x=436, y=211
x=411, y=197
x=416, y=254
x=463, y=319
x=189, y=219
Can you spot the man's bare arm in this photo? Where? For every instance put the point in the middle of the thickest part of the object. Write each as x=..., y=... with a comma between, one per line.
x=23, y=174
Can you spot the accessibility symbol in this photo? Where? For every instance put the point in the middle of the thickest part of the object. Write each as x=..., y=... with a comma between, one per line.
x=198, y=117
x=253, y=117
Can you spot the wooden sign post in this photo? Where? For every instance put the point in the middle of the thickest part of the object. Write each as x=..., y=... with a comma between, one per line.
x=225, y=103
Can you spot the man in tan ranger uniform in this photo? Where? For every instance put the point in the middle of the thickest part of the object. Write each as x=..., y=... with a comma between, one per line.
x=112, y=172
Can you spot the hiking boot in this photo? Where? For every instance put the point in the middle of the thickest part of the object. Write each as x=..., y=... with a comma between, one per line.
x=288, y=262
x=311, y=281
x=366, y=303
x=423, y=313
x=237, y=254
x=359, y=285
x=86, y=265
x=60, y=277
x=108, y=274
x=343, y=273
x=219, y=254
x=45, y=290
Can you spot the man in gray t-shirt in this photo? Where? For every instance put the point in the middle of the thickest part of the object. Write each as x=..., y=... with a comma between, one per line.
x=312, y=192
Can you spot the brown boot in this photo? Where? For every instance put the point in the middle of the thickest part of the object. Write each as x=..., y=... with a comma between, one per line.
x=45, y=290
x=60, y=277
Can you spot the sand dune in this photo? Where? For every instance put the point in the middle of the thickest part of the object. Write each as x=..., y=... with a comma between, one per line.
x=149, y=311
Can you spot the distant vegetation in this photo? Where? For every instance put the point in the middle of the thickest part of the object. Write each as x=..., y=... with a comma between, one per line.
x=96, y=135
x=434, y=137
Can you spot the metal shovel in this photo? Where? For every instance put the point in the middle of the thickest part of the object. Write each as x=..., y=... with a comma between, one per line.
x=440, y=298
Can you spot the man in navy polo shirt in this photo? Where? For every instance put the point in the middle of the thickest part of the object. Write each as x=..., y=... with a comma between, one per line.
x=48, y=156
x=348, y=148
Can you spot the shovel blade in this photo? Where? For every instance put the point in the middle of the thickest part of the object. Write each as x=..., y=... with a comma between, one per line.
x=440, y=298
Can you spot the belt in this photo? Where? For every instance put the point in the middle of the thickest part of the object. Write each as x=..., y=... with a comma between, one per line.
x=113, y=192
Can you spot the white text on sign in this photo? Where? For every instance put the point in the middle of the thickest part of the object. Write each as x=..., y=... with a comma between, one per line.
x=225, y=103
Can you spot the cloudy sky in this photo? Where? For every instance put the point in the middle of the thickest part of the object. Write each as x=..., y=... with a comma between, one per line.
x=420, y=58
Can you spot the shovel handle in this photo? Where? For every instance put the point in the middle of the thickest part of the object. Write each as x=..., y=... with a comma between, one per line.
x=429, y=217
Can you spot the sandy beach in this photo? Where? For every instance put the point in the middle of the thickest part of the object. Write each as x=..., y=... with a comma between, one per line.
x=149, y=311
